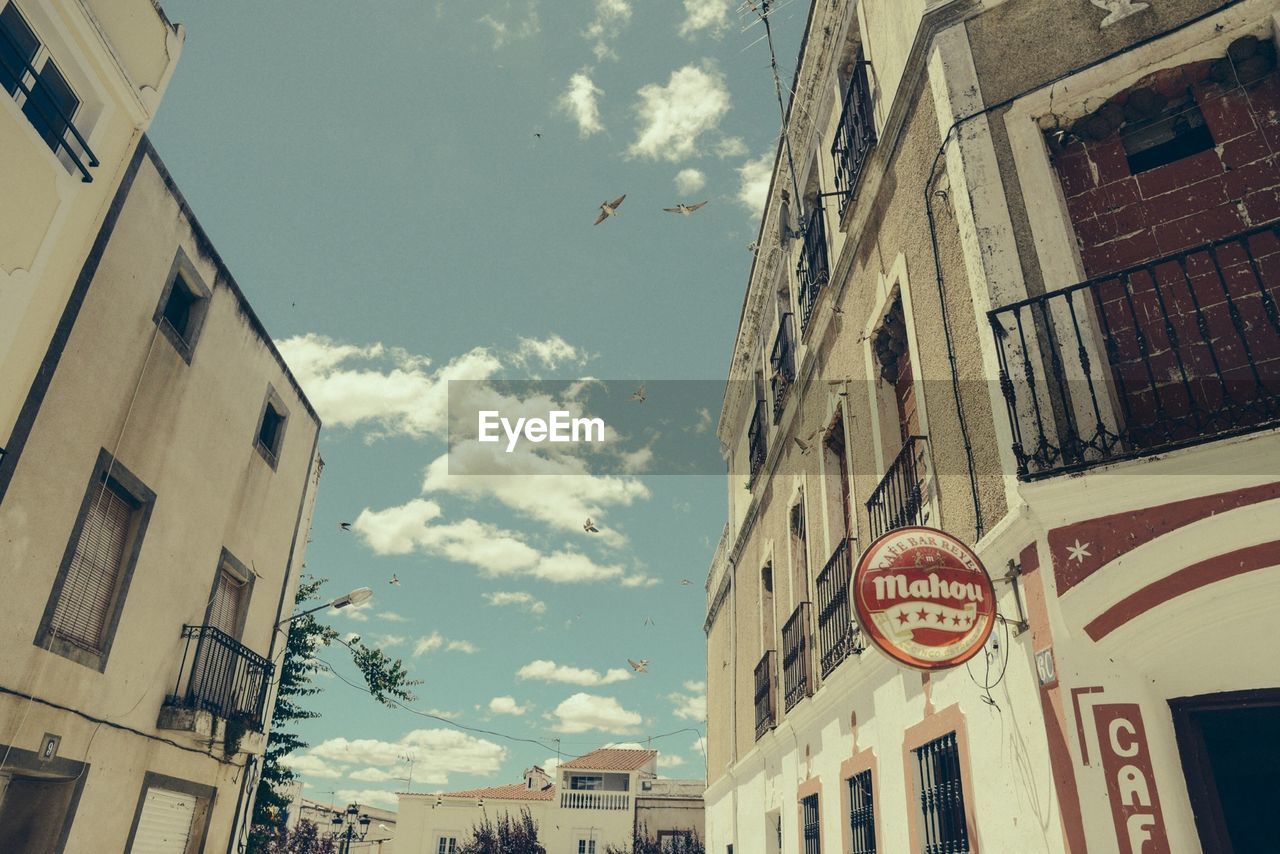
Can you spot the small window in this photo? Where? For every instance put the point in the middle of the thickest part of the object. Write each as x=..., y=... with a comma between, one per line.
x=177, y=309
x=586, y=784
x=183, y=305
x=18, y=47
x=1175, y=132
x=270, y=435
x=812, y=825
x=448, y=845
x=942, y=795
x=862, y=819
x=586, y=846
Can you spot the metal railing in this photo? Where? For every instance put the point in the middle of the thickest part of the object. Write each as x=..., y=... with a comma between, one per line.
x=58, y=124
x=782, y=360
x=585, y=800
x=899, y=497
x=225, y=677
x=855, y=135
x=1173, y=352
x=837, y=632
x=757, y=443
x=812, y=272
x=796, y=684
x=766, y=682
x=942, y=796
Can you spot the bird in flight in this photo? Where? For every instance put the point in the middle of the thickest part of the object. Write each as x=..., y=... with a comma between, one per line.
x=648, y=621
x=803, y=444
x=590, y=527
x=682, y=208
x=638, y=395
x=608, y=209
x=395, y=580
x=685, y=582
x=346, y=526
x=641, y=666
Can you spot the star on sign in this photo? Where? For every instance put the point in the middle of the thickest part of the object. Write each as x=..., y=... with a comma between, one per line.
x=1078, y=551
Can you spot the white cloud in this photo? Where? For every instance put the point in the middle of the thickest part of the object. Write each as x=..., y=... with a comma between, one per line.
x=526, y=600
x=504, y=33
x=753, y=178
x=585, y=712
x=312, y=766
x=689, y=707
x=696, y=687
x=462, y=646
x=551, y=764
x=579, y=101
x=700, y=15
x=438, y=753
x=612, y=16
x=669, y=760
x=436, y=641
x=367, y=796
x=506, y=706
x=358, y=613
x=731, y=146
x=674, y=116
x=639, y=579
x=690, y=181
x=372, y=775
x=386, y=641
x=549, y=671
x=393, y=617
x=552, y=352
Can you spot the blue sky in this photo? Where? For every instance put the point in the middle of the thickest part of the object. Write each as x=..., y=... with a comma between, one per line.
x=372, y=175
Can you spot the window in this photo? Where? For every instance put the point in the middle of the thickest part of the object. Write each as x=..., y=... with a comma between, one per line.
x=1175, y=131
x=942, y=795
x=811, y=821
x=672, y=841
x=862, y=820
x=447, y=845
x=229, y=600
x=88, y=594
x=183, y=305
x=586, y=846
x=172, y=815
x=270, y=435
x=588, y=784
x=32, y=79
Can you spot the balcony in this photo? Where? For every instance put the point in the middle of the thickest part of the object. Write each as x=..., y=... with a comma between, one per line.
x=766, y=690
x=855, y=136
x=812, y=272
x=782, y=361
x=757, y=443
x=572, y=800
x=837, y=633
x=225, y=677
x=1163, y=355
x=796, y=684
x=898, y=500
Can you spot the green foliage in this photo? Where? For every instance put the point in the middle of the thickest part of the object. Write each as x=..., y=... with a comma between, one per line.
x=643, y=843
x=508, y=836
x=303, y=839
x=387, y=679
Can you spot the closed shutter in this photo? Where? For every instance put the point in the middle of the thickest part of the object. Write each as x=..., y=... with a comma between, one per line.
x=165, y=824
x=224, y=613
x=90, y=582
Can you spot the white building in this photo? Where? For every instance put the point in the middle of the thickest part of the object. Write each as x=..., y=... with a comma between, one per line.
x=599, y=799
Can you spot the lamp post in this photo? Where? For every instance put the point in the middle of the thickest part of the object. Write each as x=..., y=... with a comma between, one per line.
x=347, y=827
x=356, y=597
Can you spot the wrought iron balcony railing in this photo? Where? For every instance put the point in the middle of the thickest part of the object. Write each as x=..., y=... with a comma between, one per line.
x=855, y=135
x=796, y=684
x=766, y=682
x=1170, y=353
x=757, y=443
x=50, y=120
x=783, y=363
x=898, y=500
x=837, y=633
x=225, y=677
x=812, y=272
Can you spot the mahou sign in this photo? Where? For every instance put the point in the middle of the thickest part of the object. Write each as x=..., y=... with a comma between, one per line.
x=924, y=598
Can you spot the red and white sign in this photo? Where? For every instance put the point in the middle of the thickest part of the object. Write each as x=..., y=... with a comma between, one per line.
x=924, y=598
x=1131, y=782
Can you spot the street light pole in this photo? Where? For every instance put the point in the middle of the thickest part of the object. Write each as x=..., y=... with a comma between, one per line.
x=343, y=827
x=356, y=597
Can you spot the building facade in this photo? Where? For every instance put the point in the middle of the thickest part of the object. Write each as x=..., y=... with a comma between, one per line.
x=155, y=503
x=1016, y=280
x=599, y=799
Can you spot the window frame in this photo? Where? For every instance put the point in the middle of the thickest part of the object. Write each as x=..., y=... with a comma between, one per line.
x=205, y=798
x=109, y=473
x=446, y=844
x=28, y=81
x=228, y=563
x=805, y=800
x=182, y=269
x=866, y=776
x=575, y=778
x=949, y=742
x=276, y=403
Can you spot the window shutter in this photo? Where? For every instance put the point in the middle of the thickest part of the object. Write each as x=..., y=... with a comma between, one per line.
x=164, y=827
x=90, y=583
x=224, y=614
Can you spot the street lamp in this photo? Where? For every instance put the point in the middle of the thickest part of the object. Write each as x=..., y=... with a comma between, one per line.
x=356, y=597
x=343, y=827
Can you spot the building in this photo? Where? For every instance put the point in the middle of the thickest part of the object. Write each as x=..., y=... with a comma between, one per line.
x=155, y=503
x=596, y=800
x=380, y=837
x=1016, y=280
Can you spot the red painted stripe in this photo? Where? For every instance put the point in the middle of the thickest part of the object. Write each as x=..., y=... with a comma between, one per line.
x=1185, y=580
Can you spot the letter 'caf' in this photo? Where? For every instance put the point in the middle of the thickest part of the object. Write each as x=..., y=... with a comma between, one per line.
x=923, y=598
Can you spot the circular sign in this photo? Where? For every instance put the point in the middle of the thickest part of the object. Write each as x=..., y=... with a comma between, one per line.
x=924, y=598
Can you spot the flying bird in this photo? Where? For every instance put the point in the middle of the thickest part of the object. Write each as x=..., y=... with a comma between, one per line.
x=638, y=395
x=395, y=580
x=682, y=208
x=685, y=582
x=346, y=526
x=648, y=621
x=803, y=444
x=608, y=209
x=590, y=527
x=641, y=666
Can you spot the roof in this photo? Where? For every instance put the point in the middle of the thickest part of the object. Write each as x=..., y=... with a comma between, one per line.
x=509, y=792
x=613, y=759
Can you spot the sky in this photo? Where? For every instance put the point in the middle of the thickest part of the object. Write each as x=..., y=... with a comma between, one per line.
x=405, y=191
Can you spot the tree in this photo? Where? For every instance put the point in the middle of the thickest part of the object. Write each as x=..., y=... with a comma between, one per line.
x=507, y=836
x=303, y=839
x=387, y=680
x=681, y=843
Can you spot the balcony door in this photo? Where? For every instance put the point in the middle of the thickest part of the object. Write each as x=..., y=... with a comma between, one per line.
x=216, y=678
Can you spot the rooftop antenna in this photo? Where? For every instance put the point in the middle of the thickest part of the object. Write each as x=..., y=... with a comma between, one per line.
x=762, y=11
x=411, y=759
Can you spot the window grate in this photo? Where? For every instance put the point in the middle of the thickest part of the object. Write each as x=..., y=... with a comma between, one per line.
x=812, y=825
x=942, y=797
x=89, y=587
x=862, y=820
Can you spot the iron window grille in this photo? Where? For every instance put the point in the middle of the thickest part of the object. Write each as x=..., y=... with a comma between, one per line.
x=812, y=271
x=942, y=796
x=1166, y=354
x=837, y=633
x=795, y=657
x=782, y=361
x=898, y=500
x=862, y=818
x=855, y=135
x=757, y=443
x=812, y=819
x=225, y=677
x=766, y=682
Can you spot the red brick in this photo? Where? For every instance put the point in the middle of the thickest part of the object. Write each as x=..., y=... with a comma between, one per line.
x=1244, y=149
x=1131, y=218
x=1186, y=201
x=1122, y=193
x=1087, y=204
x=1213, y=224
x=1256, y=176
x=1263, y=206
x=1109, y=160
x=1074, y=171
x=1228, y=115
x=1188, y=170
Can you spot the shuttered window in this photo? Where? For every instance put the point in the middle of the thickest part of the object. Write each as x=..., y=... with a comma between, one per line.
x=89, y=587
x=164, y=826
x=224, y=611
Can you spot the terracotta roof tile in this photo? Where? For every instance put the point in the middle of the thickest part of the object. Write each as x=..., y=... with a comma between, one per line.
x=612, y=759
x=509, y=792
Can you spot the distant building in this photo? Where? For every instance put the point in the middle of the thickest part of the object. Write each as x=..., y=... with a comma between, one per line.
x=382, y=823
x=596, y=800
x=155, y=501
